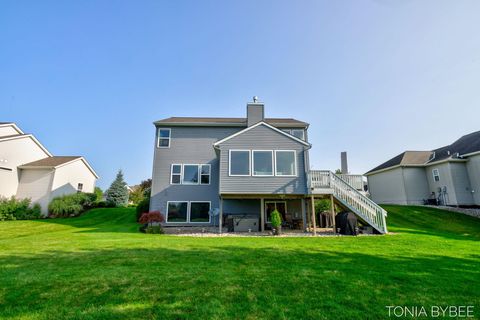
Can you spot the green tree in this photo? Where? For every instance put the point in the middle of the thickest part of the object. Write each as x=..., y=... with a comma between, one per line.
x=117, y=194
x=98, y=194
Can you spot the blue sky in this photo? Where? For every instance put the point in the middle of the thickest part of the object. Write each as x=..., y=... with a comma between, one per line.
x=372, y=78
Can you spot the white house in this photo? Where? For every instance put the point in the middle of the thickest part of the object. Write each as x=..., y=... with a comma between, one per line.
x=29, y=170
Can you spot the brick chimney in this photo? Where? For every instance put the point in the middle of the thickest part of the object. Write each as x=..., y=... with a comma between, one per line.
x=255, y=112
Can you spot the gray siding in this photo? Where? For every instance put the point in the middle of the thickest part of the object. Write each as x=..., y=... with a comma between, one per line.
x=189, y=145
x=445, y=181
x=388, y=187
x=461, y=183
x=473, y=168
x=416, y=185
x=262, y=138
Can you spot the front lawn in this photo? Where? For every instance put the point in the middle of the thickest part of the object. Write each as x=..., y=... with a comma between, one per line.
x=98, y=266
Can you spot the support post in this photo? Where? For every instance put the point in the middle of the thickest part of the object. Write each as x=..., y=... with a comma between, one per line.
x=262, y=214
x=314, y=223
x=220, y=216
x=304, y=214
x=332, y=208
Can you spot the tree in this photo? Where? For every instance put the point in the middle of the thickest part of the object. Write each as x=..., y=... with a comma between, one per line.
x=117, y=194
x=98, y=194
x=338, y=171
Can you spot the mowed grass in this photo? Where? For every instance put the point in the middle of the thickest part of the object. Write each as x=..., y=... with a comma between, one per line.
x=98, y=266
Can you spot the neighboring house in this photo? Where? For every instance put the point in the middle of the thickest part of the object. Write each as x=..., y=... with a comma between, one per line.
x=210, y=171
x=449, y=175
x=29, y=170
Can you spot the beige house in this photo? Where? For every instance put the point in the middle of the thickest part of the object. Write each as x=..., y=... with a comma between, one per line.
x=29, y=170
x=448, y=176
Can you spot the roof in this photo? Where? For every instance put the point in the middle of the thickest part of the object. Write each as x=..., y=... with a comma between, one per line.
x=5, y=123
x=230, y=122
x=266, y=125
x=52, y=162
x=467, y=144
x=55, y=162
x=405, y=158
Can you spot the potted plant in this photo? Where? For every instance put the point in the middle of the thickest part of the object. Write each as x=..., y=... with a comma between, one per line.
x=276, y=220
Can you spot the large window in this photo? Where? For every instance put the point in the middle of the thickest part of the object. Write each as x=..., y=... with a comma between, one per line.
x=262, y=163
x=163, y=138
x=177, y=211
x=239, y=162
x=188, y=212
x=285, y=163
x=199, y=211
x=190, y=174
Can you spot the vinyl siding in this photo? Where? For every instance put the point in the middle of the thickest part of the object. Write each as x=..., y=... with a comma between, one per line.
x=188, y=145
x=388, y=187
x=36, y=185
x=445, y=181
x=461, y=183
x=473, y=168
x=416, y=185
x=67, y=178
x=7, y=131
x=262, y=138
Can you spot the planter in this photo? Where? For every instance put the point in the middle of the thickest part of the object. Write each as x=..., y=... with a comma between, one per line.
x=277, y=231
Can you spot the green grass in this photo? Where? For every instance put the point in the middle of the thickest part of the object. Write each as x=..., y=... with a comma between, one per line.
x=98, y=266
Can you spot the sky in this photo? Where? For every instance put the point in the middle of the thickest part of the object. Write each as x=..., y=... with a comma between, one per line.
x=373, y=78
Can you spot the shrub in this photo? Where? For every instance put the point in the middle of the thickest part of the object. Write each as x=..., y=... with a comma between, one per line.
x=276, y=220
x=148, y=219
x=18, y=209
x=72, y=204
x=143, y=206
x=154, y=230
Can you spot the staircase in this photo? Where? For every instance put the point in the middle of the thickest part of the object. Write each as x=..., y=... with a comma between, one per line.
x=327, y=182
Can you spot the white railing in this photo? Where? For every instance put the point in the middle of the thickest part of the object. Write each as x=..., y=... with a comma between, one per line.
x=351, y=198
x=355, y=180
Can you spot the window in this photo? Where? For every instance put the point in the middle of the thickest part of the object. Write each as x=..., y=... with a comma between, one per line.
x=205, y=174
x=300, y=134
x=190, y=174
x=239, y=163
x=189, y=212
x=436, y=175
x=199, y=211
x=177, y=211
x=285, y=163
x=176, y=174
x=80, y=187
x=164, y=138
x=262, y=163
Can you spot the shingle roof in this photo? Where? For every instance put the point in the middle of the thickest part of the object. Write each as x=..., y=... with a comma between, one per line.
x=405, y=158
x=51, y=161
x=228, y=121
x=467, y=144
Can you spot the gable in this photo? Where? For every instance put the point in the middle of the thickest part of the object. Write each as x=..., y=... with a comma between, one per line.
x=262, y=134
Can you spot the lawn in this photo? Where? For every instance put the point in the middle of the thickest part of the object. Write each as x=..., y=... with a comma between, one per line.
x=98, y=266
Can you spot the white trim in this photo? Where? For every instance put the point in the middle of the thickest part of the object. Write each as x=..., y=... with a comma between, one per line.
x=20, y=136
x=268, y=126
x=435, y=170
x=188, y=209
x=470, y=154
x=252, y=171
x=169, y=137
x=295, y=164
x=230, y=163
x=61, y=165
x=13, y=125
x=273, y=201
x=171, y=173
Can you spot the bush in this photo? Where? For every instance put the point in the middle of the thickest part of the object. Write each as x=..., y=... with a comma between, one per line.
x=143, y=206
x=154, y=230
x=276, y=220
x=72, y=205
x=150, y=218
x=18, y=209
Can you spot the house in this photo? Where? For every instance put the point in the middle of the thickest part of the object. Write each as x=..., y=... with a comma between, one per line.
x=448, y=175
x=29, y=170
x=236, y=171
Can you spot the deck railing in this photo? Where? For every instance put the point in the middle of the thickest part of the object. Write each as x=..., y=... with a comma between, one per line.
x=350, y=197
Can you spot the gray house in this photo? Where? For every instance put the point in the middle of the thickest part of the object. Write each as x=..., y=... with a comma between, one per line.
x=448, y=176
x=236, y=171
